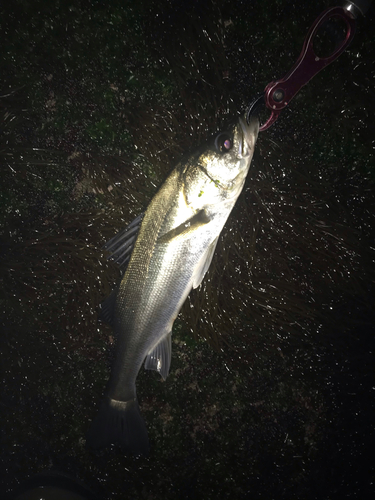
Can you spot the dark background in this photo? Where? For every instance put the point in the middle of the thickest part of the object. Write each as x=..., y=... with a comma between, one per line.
x=271, y=390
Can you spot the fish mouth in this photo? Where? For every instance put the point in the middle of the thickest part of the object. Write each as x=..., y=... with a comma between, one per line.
x=249, y=135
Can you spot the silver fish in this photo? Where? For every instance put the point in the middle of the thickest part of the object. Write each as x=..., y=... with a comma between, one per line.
x=170, y=248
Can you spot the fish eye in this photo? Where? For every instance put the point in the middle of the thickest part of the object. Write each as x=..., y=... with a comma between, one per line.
x=223, y=143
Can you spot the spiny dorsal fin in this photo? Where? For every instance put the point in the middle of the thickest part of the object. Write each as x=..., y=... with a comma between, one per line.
x=107, y=308
x=121, y=245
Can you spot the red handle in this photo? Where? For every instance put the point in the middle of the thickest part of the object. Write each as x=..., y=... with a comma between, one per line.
x=279, y=94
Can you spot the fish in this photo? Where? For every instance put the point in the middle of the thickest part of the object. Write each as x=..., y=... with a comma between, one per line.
x=165, y=253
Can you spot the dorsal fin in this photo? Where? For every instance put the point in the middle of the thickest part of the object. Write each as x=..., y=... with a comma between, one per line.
x=121, y=245
x=107, y=308
x=120, y=248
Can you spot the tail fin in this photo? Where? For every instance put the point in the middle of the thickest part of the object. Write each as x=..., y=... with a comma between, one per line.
x=119, y=422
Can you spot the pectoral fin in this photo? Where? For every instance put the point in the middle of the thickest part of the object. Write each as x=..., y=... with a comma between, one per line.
x=159, y=359
x=187, y=228
x=203, y=264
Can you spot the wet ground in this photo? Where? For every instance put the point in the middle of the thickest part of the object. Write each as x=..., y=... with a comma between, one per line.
x=271, y=389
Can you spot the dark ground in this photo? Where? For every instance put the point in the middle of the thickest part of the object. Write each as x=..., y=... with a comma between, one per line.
x=271, y=390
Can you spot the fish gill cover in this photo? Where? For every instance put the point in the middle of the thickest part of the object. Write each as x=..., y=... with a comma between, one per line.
x=99, y=100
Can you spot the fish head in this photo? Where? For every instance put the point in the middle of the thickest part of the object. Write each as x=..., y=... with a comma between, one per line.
x=228, y=158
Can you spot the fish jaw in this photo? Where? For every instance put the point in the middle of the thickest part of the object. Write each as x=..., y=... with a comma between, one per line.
x=249, y=136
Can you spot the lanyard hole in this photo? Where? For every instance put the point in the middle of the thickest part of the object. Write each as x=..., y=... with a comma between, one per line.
x=330, y=37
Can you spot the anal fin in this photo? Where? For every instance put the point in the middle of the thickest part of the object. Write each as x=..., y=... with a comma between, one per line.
x=159, y=359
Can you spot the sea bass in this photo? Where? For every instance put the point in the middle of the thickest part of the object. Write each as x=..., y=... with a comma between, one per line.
x=167, y=252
